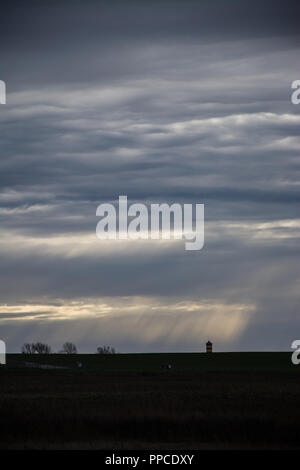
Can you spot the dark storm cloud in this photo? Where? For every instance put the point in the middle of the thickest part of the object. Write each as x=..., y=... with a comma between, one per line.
x=162, y=101
x=75, y=41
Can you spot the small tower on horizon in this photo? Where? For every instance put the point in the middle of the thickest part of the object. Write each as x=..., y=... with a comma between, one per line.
x=209, y=347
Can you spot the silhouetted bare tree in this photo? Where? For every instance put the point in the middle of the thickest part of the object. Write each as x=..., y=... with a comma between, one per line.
x=69, y=348
x=36, y=348
x=106, y=350
x=28, y=348
x=42, y=348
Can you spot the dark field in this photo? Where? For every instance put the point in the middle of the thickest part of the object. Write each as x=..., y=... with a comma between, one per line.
x=127, y=401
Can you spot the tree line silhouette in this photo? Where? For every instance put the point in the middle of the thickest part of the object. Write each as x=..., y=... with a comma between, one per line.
x=67, y=348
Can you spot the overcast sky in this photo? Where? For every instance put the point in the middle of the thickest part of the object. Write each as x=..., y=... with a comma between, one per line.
x=163, y=101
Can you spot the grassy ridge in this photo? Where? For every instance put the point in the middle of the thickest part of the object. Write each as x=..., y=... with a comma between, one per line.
x=154, y=362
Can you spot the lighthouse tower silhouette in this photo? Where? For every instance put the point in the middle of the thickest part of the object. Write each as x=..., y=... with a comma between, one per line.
x=209, y=347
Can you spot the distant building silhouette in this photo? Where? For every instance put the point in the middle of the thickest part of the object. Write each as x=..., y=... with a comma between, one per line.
x=209, y=347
